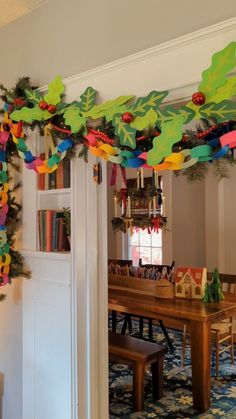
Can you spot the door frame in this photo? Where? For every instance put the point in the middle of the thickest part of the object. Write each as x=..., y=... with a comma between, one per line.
x=89, y=200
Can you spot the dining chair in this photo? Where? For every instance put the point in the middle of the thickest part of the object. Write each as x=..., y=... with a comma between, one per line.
x=222, y=335
x=123, y=317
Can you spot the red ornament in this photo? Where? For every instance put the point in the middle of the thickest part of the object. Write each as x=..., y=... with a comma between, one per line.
x=198, y=98
x=18, y=101
x=52, y=108
x=127, y=117
x=43, y=105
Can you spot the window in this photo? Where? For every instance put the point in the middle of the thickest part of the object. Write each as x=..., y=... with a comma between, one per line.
x=145, y=246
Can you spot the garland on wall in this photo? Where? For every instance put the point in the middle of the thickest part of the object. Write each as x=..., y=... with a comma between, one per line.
x=128, y=132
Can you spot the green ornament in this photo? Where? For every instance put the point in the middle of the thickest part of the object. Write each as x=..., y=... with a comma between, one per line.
x=207, y=296
x=171, y=133
x=216, y=287
x=124, y=131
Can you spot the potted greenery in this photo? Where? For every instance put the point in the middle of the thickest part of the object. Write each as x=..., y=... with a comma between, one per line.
x=67, y=221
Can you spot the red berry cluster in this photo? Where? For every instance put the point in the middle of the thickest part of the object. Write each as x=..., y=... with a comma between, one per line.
x=205, y=132
x=45, y=106
x=200, y=134
x=102, y=136
x=19, y=101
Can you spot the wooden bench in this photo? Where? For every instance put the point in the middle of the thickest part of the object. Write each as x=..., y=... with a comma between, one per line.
x=138, y=354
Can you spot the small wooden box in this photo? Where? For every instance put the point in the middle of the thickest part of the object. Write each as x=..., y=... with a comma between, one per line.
x=161, y=288
x=164, y=289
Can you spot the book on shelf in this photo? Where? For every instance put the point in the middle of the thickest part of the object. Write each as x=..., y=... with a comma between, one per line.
x=60, y=179
x=41, y=176
x=52, y=233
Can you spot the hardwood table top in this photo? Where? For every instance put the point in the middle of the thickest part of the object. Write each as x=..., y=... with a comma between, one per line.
x=148, y=305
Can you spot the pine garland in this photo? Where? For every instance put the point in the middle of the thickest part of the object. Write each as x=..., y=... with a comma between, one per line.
x=143, y=222
x=204, y=132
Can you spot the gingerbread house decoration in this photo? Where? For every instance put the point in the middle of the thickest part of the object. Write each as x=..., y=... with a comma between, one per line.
x=190, y=282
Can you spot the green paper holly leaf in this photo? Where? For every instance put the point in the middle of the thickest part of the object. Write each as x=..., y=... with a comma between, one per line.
x=152, y=100
x=146, y=121
x=100, y=110
x=222, y=111
x=33, y=96
x=194, y=108
x=226, y=91
x=215, y=76
x=30, y=114
x=88, y=99
x=169, y=114
x=110, y=112
x=124, y=131
x=61, y=108
x=171, y=133
x=74, y=119
x=55, y=90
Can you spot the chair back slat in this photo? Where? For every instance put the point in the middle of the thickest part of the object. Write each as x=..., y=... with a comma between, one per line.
x=228, y=283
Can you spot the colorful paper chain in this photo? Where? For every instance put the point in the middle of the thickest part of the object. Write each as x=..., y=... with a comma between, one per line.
x=5, y=258
x=100, y=145
x=35, y=162
x=175, y=161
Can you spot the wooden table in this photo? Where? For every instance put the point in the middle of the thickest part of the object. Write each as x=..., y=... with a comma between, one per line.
x=197, y=315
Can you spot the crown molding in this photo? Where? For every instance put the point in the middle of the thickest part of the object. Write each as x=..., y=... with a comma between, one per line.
x=182, y=92
x=208, y=32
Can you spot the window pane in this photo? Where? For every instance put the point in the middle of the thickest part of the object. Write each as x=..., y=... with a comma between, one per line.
x=134, y=254
x=145, y=238
x=133, y=240
x=156, y=256
x=157, y=239
x=145, y=254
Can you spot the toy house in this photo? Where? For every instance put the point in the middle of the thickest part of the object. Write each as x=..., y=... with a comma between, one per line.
x=190, y=282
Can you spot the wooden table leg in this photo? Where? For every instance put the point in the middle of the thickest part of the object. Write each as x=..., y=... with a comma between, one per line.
x=113, y=320
x=138, y=386
x=201, y=359
x=157, y=378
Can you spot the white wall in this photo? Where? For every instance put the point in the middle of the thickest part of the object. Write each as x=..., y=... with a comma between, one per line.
x=11, y=352
x=68, y=37
x=188, y=222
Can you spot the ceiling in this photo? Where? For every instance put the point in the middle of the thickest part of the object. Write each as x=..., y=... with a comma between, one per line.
x=13, y=9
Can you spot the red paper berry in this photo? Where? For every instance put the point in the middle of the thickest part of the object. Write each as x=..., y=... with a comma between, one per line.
x=43, y=105
x=18, y=101
x=198, y=98
x=127, y=117
x=52, y=108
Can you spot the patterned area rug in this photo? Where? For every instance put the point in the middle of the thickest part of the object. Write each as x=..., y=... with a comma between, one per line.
x=177, y=400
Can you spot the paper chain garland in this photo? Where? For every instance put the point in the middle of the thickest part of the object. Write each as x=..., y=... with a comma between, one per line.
x=5, y=258
x=131, y=120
